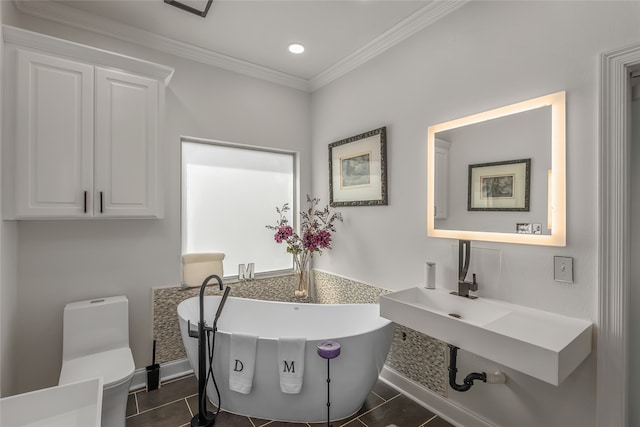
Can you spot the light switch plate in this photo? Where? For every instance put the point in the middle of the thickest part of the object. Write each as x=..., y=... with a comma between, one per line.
x=563, y=269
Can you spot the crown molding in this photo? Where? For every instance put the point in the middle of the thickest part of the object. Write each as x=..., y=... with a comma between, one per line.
x=30, y=39
x=76, y=18
x=420, y=20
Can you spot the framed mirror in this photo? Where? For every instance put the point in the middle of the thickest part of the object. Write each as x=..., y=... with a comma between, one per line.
x=499, y=175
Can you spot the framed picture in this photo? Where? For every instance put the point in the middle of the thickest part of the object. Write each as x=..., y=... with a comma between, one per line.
x=358, y=170
x=500, y=186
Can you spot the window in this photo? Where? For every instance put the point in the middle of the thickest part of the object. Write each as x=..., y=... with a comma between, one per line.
x=229, y=195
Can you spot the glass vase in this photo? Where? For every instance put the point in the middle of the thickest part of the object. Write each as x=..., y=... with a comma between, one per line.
x=303, y=276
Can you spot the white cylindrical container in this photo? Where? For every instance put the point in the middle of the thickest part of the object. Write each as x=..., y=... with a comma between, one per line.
x=430, y=275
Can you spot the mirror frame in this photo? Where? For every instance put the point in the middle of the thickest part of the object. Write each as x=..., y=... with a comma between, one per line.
x=557, y=197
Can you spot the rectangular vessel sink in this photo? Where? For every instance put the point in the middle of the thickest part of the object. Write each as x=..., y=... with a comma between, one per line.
x=70, y=405
x=545, y=345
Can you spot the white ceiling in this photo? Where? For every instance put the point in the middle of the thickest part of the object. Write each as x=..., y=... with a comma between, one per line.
x=252, y=36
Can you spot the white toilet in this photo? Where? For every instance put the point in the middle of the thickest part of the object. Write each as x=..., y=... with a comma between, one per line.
x=96, y=344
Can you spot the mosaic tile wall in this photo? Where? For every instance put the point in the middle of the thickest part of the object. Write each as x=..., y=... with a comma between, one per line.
x=416, y=356
x=166, y=328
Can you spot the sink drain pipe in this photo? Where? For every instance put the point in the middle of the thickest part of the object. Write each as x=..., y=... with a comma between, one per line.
x=497, y=378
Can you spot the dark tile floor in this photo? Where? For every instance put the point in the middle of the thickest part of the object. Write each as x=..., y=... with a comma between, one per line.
x=175, y=403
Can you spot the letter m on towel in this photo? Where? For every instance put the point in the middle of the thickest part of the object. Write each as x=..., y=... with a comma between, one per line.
x=289, y=368
x=291, y=363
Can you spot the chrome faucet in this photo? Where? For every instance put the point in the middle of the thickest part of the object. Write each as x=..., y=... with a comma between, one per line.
x=464, y=256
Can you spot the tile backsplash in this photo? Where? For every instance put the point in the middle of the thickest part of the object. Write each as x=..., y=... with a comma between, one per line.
x=418, y=357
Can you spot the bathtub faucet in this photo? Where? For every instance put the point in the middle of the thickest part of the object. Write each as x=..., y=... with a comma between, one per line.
x=205, y=418
x=208, y=279
x=202, y=326
x=205, y=282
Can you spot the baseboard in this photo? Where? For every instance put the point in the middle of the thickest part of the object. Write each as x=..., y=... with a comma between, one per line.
x=168, y=371
x=441, y=406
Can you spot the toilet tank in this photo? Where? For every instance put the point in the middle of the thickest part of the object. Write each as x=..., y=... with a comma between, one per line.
x=94, y=326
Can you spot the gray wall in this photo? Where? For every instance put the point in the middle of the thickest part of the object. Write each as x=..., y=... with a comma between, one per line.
x=485, y=55
x=63, y=261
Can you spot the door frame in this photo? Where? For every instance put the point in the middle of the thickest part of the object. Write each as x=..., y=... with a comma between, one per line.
x=614, y=241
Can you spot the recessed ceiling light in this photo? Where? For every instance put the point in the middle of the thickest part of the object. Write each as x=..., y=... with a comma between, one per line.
x=296, y=48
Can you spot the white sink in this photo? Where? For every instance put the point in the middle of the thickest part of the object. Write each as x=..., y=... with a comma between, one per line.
x=475, y=311
x=70, y=405
x=545, y=345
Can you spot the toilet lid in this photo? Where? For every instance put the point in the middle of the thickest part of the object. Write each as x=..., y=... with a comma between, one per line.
x=114, y=366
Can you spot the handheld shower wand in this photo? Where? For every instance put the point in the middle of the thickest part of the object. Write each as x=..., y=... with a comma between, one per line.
x=221, y=306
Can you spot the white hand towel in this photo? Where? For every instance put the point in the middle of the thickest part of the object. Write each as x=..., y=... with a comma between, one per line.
x=291, y=364
x=242, y=361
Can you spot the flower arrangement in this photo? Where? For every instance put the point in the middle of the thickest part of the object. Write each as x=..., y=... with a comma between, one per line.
x=316, y=227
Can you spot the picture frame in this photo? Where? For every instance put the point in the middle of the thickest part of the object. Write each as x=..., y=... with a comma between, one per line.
x=358, y=170
x=500, y=186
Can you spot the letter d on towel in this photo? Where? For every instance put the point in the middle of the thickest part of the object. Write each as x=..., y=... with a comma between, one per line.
x=242, y=361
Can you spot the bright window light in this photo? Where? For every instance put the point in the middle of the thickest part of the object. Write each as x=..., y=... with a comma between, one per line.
x=229, y=194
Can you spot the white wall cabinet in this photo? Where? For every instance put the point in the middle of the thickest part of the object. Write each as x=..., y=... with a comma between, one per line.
x=86, y=132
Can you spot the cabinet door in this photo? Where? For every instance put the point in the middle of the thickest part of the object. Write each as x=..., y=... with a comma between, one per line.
x=126, y=162
x=54, y=137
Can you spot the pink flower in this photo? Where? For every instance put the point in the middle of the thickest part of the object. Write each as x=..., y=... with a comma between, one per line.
x=283, y=233
x=313, y=241
x=310, y=241
x=316, y=227
x=323, y=239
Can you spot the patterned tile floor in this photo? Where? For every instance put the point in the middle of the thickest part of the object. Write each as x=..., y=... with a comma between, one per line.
x=175, y=403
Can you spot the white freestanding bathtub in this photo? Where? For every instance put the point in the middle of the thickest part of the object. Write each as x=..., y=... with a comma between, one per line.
x=364, y=338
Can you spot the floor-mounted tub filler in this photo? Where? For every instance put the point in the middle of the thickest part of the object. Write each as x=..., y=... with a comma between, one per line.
x=277, y=329
x=206, y=336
